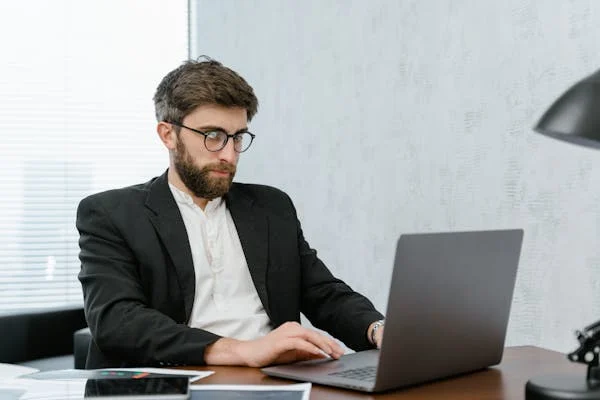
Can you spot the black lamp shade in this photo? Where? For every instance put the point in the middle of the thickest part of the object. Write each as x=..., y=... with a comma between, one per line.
x=575, y=116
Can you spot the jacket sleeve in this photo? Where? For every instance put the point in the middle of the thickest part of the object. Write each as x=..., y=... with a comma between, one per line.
x=329, y=303
x=123, y=325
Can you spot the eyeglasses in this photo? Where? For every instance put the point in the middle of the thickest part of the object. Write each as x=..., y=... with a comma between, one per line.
x=217, y=140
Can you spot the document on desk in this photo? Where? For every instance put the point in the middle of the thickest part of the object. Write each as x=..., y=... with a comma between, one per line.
x=295, y=391
x=119, y=373
x=194, y=375
x=29, y=389
x=8, y=373
x=71, y=383
x=12, y=370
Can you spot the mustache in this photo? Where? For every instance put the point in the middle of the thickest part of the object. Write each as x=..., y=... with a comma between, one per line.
x=220, y=167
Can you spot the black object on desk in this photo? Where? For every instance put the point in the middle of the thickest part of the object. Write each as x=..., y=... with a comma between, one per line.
x=573, y=387
x=575, y=118
x=166, y=388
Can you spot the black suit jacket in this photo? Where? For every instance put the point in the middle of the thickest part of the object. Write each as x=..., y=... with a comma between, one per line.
x=138, y=276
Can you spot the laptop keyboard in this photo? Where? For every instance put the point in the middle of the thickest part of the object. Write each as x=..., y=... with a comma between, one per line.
x=362, y=374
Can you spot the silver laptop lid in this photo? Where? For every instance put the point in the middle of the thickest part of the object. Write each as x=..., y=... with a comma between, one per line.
x=448, y=305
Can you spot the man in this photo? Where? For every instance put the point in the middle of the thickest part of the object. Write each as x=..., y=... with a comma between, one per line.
x=190, y=268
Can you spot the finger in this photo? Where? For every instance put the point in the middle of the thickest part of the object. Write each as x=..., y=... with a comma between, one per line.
x=379, y=337
x=297, y=355
x=325, y=343
x=320, y=341
x=298, y=344
x=302, y=356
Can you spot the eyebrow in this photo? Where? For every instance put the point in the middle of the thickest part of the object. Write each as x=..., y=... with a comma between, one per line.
x=207, y=128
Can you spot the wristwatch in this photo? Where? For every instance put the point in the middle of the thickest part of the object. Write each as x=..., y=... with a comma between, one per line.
x=376, y=326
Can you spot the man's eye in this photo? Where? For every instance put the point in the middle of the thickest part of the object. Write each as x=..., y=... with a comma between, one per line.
x=213, y=134
x=238, y=138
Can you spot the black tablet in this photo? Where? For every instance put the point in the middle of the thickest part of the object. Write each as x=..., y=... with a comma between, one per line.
x=169, y=388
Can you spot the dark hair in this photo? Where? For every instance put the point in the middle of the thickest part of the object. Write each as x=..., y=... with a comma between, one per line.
x=200, y=82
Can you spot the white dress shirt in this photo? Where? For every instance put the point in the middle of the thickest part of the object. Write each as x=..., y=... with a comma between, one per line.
x=226, y=302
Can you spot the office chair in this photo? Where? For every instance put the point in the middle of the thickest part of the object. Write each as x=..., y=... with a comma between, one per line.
x=41, y=338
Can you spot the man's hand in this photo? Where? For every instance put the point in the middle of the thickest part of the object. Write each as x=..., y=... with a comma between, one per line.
x=378, y=334
x=288, y=343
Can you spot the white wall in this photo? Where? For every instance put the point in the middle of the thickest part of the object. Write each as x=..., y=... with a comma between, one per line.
x=384, y=117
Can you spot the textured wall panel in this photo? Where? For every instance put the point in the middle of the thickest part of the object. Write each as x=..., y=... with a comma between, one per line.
x=383, y=117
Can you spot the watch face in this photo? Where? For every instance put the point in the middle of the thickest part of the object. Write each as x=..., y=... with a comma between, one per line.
x=376, y=326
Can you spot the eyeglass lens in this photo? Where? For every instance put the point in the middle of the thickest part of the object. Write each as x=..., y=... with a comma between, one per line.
x=216, y=140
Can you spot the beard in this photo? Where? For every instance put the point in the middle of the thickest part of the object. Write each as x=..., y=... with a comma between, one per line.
x=198, y=180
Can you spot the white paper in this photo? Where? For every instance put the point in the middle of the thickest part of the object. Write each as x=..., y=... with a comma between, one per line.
x=69, y=374
x=46, y=390
x=193, y=374
x=70, y=388
x=12, y=370
x=297, y=387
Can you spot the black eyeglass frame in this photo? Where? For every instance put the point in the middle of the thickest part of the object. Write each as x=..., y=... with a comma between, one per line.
x=227, y=136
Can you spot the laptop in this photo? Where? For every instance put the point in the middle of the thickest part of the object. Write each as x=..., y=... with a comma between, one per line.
x=447, y=314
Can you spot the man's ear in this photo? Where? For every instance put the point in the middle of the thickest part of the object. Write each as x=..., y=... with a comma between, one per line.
x=167, y=135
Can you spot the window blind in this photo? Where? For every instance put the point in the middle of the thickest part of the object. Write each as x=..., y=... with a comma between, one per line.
x=76, y=117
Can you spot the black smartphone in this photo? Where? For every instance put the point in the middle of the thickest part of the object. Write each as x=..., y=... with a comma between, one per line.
x=168, y=388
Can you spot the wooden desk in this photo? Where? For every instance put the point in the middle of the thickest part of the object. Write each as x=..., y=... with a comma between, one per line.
x=505, y=381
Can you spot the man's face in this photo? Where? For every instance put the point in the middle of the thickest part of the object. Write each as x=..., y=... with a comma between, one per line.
x=208, y=174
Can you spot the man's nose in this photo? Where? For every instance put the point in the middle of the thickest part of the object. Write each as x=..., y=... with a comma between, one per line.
x=228, y=152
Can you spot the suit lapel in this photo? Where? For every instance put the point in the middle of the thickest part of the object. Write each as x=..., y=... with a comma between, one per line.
x=166, y=218
x=252, y=227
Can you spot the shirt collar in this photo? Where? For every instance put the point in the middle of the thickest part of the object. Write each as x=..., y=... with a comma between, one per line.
x=182, y=198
